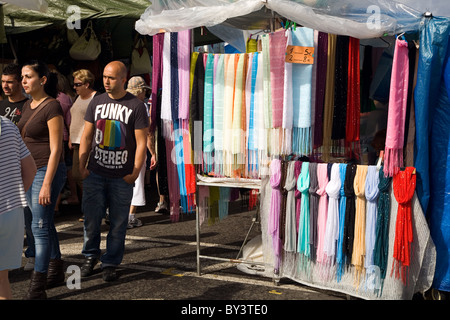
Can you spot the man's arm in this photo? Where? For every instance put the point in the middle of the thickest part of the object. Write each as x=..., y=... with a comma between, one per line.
x=141, y=153
x=85, y=147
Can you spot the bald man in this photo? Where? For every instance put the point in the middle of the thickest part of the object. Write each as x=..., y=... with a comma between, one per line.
x=112, y=151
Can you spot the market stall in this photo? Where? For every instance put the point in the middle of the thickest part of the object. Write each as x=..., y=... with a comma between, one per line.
x=256, y=115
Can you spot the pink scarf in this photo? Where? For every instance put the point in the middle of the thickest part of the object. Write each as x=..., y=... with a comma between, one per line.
x=275, y=205
x=398, y=97
x=277, y=49
x=322, y=178
x=184, y=65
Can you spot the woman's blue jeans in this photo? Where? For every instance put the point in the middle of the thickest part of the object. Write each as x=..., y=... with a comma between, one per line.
x=99, y=193
x=44, y=243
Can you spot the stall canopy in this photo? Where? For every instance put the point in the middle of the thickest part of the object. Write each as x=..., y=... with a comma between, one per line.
x=357, y=18
x=19, y=20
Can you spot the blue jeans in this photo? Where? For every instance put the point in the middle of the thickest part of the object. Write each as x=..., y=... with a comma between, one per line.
x=44, y=242
x=99, y=193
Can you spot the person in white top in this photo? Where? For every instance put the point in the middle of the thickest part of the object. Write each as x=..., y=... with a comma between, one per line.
x=16, y=176
x=83, y=82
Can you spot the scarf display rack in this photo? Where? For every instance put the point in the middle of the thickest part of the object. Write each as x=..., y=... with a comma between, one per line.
x=228, y=118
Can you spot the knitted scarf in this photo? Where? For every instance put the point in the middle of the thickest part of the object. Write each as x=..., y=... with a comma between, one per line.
x=404, y=184
x=333, y=189
x=349, y=226
x=340, y=258
x=381, y=248
x=359, y=245
x=398, y=98
x=275, y=204
x=303, y=185
x=322, y=178
x=313, y=211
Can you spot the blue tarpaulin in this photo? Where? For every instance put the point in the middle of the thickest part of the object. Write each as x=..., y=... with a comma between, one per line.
x=432, y=148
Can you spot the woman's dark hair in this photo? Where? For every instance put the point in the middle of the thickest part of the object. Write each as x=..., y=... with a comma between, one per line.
x=42, y=70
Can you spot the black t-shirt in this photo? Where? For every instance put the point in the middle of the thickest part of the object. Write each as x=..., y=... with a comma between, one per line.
x=114, y=142
x=12, y=110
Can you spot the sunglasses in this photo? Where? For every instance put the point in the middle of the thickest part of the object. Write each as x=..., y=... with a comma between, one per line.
x=79, y=84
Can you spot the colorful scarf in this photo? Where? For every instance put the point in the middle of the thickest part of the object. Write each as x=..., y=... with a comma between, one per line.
x=313, y=211
x=350, y=210
x=321, y=62
x=302, y=95
x=322, y=178
x=158, y=40
x=290, y=243
x=303, y=185
x=353, y=100
x=372, y=192
x=359, y=245
x=329, y=97
x=340, y=257
x=404, y=184
x=333, y=190
x=275, y=205
x=208, y=120
x=381, y=248
x=277, y=49
x=184, y=62
x=218, y=89
x=398, y=98
x=298, y=194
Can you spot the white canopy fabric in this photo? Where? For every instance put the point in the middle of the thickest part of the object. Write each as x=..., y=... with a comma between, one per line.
x=361, y=19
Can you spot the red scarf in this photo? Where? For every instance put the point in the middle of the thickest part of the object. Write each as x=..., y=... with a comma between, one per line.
x=404, y=184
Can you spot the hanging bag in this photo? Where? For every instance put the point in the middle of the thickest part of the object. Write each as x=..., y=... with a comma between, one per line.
x=140, y=59
x=87, y=46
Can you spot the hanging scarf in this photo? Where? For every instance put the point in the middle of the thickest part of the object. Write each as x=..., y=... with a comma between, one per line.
x=322, y=178
x=252, y=144
x=158, y=40
x=196, y=106
x=303, y=185
x=275, y=205
x=218, y=89
x=313, y=209
x=166, y=109
x=340, y=257
x=404, y=184
x=290, y=241
x=321, y=79
x=238, y=120
x=277, y=49
x=359, y=245
x=228, y=112
x=267, y=99
x=398, y=98
x=329, y=97
x=353, y=100
x=282, y=223
x=174, y=79
x=224, y=200
x=372, y=191
x=298, y=194
x=302, y=95
x=340, y=91
x=350, y=210
x=381, y=249
x=173, y=183
x=288, y=108
x=333, y=190
x=208, y=121
x=184, y=61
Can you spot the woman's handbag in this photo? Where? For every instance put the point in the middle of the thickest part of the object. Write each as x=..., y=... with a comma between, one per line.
x=87, y=47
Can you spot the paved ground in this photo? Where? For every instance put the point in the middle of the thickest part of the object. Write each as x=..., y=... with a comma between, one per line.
x=160, y=263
